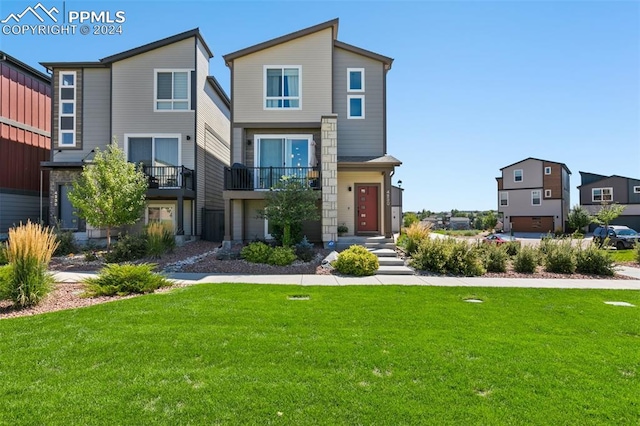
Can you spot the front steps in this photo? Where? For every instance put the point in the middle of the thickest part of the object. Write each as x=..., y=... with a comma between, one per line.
x=384, y=249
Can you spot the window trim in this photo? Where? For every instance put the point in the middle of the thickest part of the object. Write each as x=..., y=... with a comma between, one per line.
x=539, y=197
x=61, y=132
x=521, y=175
x=506, y=198
x=547, y=193
x=349, y=71
x=172, y=100
x=174, y=206
x=352, y=117
x=593, y=194
x=264, y=89
x=256, y=151
x=547, y=170
x=636, y=189
x=153, y=145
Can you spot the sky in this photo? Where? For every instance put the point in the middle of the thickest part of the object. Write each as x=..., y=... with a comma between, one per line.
x=475, y=85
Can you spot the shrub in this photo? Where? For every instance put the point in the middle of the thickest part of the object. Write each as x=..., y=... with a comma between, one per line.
x=495, y=257
x=431, y=255
x=5, y=279
x=416, y=233
x=526, y=260
x=256, y=252
x=342, y=229
x=29, y=252
x=304, y=250
x=66, y=242
x=577, y=235
x=560, y=258
x=512, y=248
x=356, y=260
x=127, y=249
x=594, y=261
x=448, y=256
x=545, y=243
x=3, y=254
x=125, y=279
x=637, y=250
x=281, y=256
x=160, y=239
x=464, y=259
x=277, y=232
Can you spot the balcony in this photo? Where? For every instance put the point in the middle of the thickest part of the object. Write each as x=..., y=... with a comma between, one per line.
x=241, y=178
x=170, y=177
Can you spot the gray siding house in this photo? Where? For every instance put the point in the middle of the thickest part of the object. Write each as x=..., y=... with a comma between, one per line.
x=597, y=189
x=160, y=104
x=534, y=196
x=310, y=106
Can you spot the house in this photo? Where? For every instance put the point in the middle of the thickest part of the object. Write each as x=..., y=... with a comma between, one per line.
x=534, y=196
x=310, y=106
x=597, y=189
x=459, y=223
x=396, y=209
x=164, y=109
x=25, y=130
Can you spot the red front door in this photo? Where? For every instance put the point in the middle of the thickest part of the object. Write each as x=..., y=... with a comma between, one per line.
x=366, y=208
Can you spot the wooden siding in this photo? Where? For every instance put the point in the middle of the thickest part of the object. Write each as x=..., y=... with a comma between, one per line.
x=500, y=184
x=552, y=181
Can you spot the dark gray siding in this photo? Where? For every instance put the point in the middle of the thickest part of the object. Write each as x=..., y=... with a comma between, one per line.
x=619, y=185
x=16, y=208
x=359, y=137
x=633, y=197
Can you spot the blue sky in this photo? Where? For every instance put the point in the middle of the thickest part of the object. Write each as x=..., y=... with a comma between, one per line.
x=475, y=86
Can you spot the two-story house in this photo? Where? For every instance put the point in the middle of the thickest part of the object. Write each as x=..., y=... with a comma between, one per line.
x=25, y=120
x=534, y=196
x=598, y=189
x=309, y=106
x=163, y=108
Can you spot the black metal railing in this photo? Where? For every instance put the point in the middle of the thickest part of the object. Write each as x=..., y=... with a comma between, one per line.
x=241, y=178
x=170, y=177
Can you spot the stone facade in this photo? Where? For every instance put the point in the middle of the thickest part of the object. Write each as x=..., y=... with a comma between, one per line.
x=329, y=161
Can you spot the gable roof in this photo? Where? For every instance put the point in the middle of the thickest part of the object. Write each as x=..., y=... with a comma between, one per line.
x=4, y=57
x=538, y=159
x=228, y=58
x=369, y=54
x=106, y=61
x=219, y=90
x=598, y=178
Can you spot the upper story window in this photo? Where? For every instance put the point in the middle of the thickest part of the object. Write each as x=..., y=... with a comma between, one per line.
x=517, y=175
x=535, y=198
x=504, y=199
x=636, y=189
x=282, y=86
x=355, y=79
x=547, y=193
x=355, y=84
x=601, y=194
x=172, y=90
x=67, y=109
x=355, y=106
x=547, y=170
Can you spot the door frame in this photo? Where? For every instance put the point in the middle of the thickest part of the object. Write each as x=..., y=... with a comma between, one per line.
x=355, y=209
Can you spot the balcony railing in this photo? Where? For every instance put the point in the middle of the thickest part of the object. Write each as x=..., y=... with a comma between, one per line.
x=169, y=177
x=240, y=178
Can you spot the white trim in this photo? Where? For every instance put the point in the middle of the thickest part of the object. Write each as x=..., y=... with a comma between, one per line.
x=547, y=193
x=153, y=145
x=636, y=189
x=521, y=175
x=539, y=197
x=593, y=194
x=506, y=198
x=174, y=206
x=267, y=235
x=349, y=116
x=68, y=101
x=349, y=71
x=547, y=170
x=264, y=88
x=155, y=90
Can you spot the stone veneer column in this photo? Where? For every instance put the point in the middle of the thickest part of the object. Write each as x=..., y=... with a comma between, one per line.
x=329, y=162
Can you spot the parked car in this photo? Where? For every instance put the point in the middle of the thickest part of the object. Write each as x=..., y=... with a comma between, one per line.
x=621, y=237
x=498, y=239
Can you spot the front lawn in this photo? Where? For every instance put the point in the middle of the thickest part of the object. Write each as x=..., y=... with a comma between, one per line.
x=247, y=354
x=459, y=232
x=623, y=255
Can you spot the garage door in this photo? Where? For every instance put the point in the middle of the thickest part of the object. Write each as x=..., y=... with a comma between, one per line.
x=532, y=223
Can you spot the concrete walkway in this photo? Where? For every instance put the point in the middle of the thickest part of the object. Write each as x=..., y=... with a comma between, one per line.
x=333, y=280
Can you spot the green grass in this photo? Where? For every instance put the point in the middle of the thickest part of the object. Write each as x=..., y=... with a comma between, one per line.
x=623, y=255
x=459, y=232
x=246, y=354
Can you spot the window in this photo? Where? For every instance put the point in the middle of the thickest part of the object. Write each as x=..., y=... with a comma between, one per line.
x=547, y=193
x=161, y=213
x=535, y=198
x=355, y=79
x=504, y=198
x=282, y=87
x=547, y=170
x=172, y=90
x=517, y=175
x=601, y=194
x=282, y=155
x=67, y=109
x=160, y=157
x=355, y=106
x=636, y=189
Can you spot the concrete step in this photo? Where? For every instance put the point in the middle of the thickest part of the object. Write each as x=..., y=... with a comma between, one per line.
x=394, y=270
x=380, y=245
x=362, y=240
x=385, y=252
x=390, y=261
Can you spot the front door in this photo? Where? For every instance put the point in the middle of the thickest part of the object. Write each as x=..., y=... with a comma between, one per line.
x=367, y=208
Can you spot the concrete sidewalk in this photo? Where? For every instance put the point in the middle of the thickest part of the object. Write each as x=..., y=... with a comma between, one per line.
x=333, y=280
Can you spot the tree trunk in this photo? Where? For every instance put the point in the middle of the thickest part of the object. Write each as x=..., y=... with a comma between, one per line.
x=108, y=239
x=286, y=235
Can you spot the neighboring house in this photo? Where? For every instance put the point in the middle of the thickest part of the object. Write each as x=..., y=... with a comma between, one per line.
x=460, y=223
x=309, y=106
x=596, y=189
x=25, y=130
x=533, y=196
x=167, y=113
x=396, y=209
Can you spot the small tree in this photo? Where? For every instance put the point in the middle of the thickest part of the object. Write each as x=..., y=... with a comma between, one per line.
x=578, y=217
x=490, y=220
x=606, y=214
x=110, y=192
x=288, y=203
x=410, y=218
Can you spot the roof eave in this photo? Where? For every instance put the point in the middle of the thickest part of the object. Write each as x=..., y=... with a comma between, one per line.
x=219, y=90
x=28, y=68
x=373, y=55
